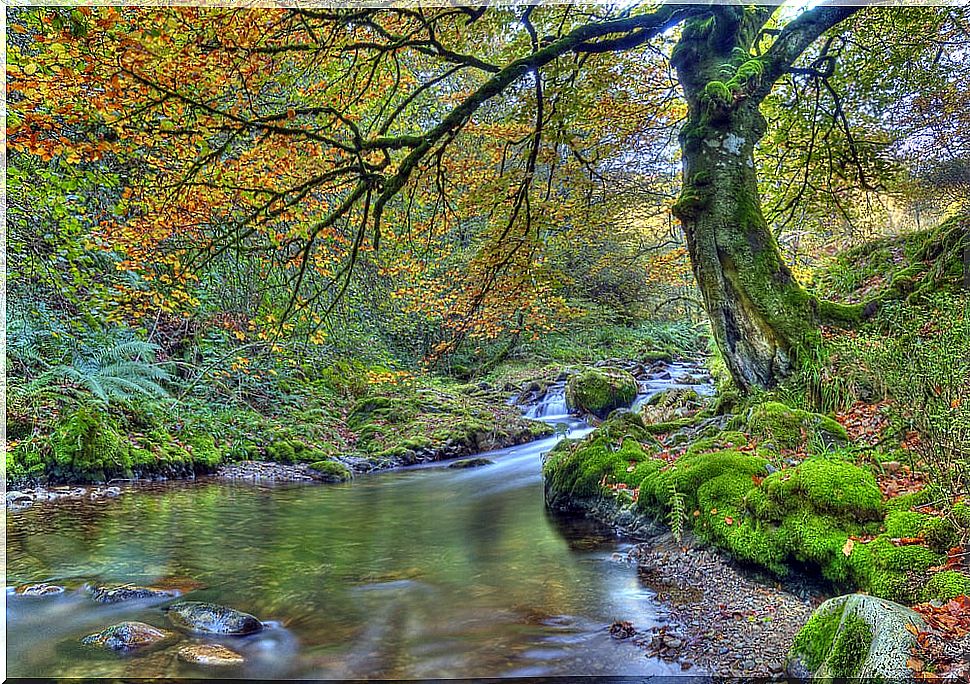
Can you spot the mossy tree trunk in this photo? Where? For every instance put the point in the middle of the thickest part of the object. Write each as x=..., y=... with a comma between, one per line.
x=761, y=317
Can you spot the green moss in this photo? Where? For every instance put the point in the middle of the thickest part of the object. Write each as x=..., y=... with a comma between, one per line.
x=622, y=424
x=718, y=442
x=789, y=428
x=333, y=471
x=939, y=533
x=828, y=485
x=813, y=642
x=576, y=471
x=961, y=514
x=88, y=448
x=946, y=585
x=599, y=390
x=690, y=472
x=850, y=648
x=905, y=502
x=26, y=461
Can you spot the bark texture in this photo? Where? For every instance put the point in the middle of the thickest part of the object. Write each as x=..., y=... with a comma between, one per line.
x=761, y=316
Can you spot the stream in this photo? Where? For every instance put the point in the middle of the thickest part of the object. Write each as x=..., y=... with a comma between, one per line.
x=425, y=572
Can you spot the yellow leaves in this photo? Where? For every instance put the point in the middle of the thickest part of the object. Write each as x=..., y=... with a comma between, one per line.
x=29, y=69
x=387, y=377
x=239, y=335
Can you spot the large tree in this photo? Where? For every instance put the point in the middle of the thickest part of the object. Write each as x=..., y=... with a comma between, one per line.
x=305, y=135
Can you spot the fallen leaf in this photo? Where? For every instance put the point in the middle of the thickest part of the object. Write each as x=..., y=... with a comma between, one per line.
x=847, y=548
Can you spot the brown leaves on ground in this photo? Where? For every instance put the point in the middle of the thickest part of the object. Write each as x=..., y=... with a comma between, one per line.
x=896, y=481
x=864, y=423
x=937, y=654
x=953, y=617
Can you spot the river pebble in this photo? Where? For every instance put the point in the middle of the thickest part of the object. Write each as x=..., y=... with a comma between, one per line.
x=41, y=589
x=130, y=593
x=212, y=655
x=211, y=618
x=127, y=636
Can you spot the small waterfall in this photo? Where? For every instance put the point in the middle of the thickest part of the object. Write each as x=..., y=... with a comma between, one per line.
x=553, y=404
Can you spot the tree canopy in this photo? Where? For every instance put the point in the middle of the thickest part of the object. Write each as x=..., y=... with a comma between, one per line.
x=451, y=149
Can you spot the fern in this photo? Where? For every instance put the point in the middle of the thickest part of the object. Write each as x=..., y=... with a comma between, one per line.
x=677, y=513
x=115, y=374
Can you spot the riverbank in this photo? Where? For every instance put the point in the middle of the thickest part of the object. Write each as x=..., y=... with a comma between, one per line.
x=720, y=619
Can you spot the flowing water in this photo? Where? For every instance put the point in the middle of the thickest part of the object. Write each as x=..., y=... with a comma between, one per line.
x=418, y=573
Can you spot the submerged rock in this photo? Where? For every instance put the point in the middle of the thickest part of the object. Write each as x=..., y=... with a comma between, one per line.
x=127, y=636
x=129, y=593
x=41, y=589
x=856, y=636
x=471, y=463
x=212, y=655
x=211, y=618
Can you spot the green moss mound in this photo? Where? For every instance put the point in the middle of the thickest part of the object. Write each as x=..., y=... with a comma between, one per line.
x=330, y=471
x=946, y=585
x=574, y=473
x=601, y=390
x=784, y=427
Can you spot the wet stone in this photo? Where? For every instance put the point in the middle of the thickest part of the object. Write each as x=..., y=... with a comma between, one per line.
x=41, y=589
x=129, y=593
x=210, y=618
x=127, y=636
x=471, y=463
x=211, y=655
x=622, y=630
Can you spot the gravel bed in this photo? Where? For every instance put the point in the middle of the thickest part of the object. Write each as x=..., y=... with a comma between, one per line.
x=720, y=619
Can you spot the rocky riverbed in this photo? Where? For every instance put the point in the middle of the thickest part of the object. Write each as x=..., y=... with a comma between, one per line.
x=721, y=619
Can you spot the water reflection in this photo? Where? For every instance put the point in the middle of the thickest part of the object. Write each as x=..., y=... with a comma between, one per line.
x=427, y=572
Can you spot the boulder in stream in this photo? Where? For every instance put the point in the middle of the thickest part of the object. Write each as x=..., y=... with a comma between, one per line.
x=329, y=471
x=601, y=390
x=130, y=593
x=211, y=618
x=128, y=636
x=211, y=655
x=471, y=463
x=856, y=636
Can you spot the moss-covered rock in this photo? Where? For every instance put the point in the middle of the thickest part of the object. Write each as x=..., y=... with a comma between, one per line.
x=576, y=472
x=856, y=636
x=946, y=585
x=88, y=448
x=827, y=485
x=671, y=404
x=470, y=463
x=938, y=532
x=330, y=471
x=784, y=427
x=601, y=390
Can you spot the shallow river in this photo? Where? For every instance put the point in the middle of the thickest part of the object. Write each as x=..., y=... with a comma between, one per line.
x=418, y=573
